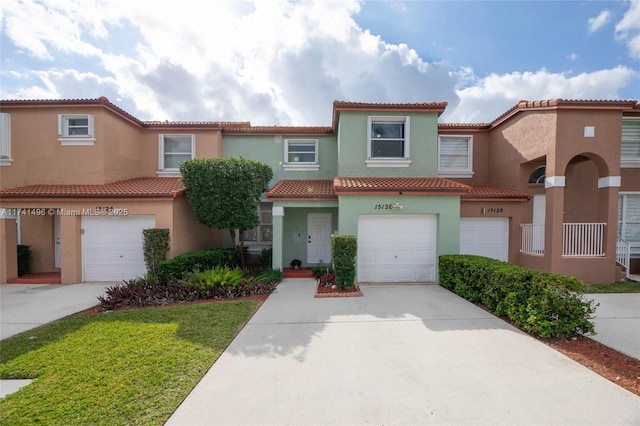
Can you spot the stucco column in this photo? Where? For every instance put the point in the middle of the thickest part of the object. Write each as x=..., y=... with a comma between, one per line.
x=553, y=226
x=278, y=231
x=9, y=249
x=71, y=250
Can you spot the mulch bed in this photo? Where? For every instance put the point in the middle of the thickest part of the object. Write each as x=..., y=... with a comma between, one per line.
x=322, y=291
x=617, y=367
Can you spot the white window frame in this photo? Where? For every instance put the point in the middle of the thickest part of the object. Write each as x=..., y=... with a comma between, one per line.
x=259, y=241
x=466, y=172
x=315, y=165
x=630, y=135
x=5, y=139
x=67, y=139
x=171, y=172
x=622, y=222
x=389, y=161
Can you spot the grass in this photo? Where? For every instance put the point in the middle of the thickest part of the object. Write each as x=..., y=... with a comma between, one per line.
x=128, y=367
x=621, y=287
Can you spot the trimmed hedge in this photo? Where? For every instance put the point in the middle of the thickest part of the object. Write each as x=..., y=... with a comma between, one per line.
x=155, y=245
x=344, y=251
x=545, y=304
x=172, y=270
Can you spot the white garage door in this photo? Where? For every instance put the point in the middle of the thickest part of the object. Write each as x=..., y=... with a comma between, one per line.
x=394, y=248
x=485, y=236
x=112, y=248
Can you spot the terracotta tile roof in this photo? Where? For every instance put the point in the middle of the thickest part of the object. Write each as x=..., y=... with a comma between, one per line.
x=425, y=106
x=141, y=187
x=303, y=189
x=103, y=101
x=398, y=184
x=522, y=105
x=486, y=192
x=325, y=189
x=278, y=130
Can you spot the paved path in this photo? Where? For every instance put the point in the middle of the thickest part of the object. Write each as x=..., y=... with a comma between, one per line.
x=398, y=355
x=617, y=322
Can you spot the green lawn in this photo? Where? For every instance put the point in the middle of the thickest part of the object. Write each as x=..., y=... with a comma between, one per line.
x=622, y=287
x=127, y=367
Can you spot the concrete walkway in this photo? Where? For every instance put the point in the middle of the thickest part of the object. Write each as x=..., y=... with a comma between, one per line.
x=399, y=355
x=617, y=322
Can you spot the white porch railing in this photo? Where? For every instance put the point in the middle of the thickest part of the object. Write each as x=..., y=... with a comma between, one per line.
x=583, y=239
x=578, y=239
x=532, y=238
x=623, y=255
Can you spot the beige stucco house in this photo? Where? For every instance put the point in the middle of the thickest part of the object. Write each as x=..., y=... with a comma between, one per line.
x=80, y=179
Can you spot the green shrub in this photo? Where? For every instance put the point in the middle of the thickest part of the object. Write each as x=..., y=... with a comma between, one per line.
x=270, y=276
x=24, y=259
x=344, y=249
x=542, y=303
x=266, y=256
x=155, y=247
x=322, y=269
x=172, y=270
x=216, y=277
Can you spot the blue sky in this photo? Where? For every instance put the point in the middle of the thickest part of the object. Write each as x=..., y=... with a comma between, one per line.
x=279, y=62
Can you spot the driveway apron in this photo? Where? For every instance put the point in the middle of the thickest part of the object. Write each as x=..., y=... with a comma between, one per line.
x=402, y=354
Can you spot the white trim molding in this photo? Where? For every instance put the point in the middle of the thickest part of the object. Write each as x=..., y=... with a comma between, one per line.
x=554, y=182
x=609, y=182
x=277, y=211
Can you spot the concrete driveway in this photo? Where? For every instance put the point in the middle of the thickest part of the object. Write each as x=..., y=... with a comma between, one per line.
x=26, y=306
x=399, y=355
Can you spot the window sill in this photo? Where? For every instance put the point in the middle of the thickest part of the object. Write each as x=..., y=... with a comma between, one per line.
x=5, y=161
x=388, y=162
x=77, y=141
x=168, y=173
x=300, y=167
x=456, y=174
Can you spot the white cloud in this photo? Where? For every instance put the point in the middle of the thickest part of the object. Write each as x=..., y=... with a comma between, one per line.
x=599, y=21
x=270, y=62
x=628, y=29
x=489, y=97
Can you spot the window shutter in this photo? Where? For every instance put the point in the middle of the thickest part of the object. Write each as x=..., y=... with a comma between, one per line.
x=630, y=139
x=454, y=154
x=5, y=136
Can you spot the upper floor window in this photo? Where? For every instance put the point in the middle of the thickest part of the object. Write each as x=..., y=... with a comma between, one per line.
x=76, y=129
x=455, y=156
x=630, y=151
x=5, y=139
x=301, y=154
x=388, y=142
x=173, y=150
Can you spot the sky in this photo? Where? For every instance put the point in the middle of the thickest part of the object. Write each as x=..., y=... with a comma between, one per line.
x=282, y=62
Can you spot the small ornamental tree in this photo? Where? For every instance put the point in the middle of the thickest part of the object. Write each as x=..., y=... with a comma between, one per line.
x=224, y=193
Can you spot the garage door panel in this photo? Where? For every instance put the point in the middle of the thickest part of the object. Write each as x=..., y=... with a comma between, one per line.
x=485, y=236
x=112, y=248
x=396, y=248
